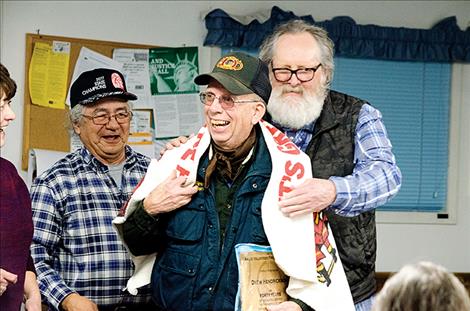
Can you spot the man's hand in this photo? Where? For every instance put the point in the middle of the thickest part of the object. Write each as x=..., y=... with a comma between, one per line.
x=285, y=306
x=6, y=278
x=169, y=195
x=75, y=302
x=313, y=195
x=178, y=141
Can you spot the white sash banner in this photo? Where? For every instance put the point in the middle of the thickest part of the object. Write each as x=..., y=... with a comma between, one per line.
x=303, y=246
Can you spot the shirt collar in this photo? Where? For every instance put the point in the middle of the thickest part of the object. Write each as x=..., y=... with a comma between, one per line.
x=307, y=128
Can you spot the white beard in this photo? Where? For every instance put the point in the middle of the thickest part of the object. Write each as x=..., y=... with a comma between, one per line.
x=294, y=113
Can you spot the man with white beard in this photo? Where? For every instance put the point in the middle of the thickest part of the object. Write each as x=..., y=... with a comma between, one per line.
x=354, y=169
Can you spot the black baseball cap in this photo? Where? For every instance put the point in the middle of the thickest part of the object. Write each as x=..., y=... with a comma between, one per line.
x=97, y=84
x=240, y=74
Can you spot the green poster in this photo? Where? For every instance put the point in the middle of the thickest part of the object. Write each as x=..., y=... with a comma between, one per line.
x=172, y=70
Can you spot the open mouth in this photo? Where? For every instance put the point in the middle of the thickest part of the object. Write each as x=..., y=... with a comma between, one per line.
x=217, y=123
x=111, y=138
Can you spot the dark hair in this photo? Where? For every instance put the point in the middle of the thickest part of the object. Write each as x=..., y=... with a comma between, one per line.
x=7, y=84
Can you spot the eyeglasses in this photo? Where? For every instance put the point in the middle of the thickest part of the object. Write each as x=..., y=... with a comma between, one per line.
x=302, y=74
x=226, y=101
x=104, y=118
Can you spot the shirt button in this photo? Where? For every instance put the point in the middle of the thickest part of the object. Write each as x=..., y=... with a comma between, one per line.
x=210, y=226
x=255, y=186
x=210, y=289
x=229, y=206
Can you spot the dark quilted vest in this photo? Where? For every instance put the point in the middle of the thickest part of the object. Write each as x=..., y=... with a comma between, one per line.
x=332, y=153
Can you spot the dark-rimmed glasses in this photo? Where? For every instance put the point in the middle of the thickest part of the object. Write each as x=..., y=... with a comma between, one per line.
x=102, y=118
x=302, y=74
x=226, y=101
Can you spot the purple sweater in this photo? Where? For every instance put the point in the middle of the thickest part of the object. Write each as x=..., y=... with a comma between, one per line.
x=16, y=233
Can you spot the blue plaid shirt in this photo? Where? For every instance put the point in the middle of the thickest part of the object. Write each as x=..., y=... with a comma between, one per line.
x=75, y=247
x=376, y=177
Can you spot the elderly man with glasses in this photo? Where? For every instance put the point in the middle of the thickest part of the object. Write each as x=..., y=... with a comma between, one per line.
x=219, y=191
x=354, y=168
x=80, y=261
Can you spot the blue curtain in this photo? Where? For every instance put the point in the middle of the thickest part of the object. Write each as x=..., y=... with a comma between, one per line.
x=445, y=42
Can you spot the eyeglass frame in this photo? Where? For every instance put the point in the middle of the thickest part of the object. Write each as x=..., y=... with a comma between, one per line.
x=223, y=103
x=294, y=72
x=110, y=116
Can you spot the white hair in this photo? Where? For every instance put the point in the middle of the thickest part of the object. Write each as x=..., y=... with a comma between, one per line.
x=423, y=286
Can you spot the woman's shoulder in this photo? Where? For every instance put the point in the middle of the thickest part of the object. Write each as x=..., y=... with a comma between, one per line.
x=7, y=167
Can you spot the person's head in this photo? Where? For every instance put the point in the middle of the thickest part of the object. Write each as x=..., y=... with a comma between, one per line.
x=7, y=92
x=300, y=57
x=100, y=114
x=237, y=91
x=423, y=286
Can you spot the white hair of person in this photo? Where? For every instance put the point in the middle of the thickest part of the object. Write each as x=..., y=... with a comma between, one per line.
x=297, y=26
x=423, y=286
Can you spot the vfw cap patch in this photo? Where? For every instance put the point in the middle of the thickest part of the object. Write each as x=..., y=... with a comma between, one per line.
x=230, y=63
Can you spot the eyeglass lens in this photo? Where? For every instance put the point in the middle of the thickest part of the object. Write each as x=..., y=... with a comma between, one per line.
x=302, y=74
x=120, y=117
x=226, y=101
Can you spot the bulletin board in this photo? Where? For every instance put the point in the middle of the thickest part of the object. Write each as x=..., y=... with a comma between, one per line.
x=46, y=128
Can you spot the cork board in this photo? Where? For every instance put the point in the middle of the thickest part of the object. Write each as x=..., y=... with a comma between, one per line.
x=46, y=128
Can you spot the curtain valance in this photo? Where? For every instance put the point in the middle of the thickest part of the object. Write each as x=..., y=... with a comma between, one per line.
x=445, y=42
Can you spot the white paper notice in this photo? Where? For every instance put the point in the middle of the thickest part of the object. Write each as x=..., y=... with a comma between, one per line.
x=135, y=67
x=89, y=60
x=178, y=115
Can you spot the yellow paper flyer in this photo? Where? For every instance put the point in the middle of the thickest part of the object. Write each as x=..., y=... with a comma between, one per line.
x=48, y=74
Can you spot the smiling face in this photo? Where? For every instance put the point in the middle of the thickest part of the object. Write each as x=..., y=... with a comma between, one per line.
x=6, y=115
x=230, y=127
x=106, y=142
x=294, y=103
x=294, y=51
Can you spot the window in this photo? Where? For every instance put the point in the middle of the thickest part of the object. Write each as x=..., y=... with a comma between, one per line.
x=414, y=98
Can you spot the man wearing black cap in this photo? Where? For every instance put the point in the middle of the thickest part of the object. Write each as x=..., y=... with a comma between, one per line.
x=193, y=217
x=80, y=261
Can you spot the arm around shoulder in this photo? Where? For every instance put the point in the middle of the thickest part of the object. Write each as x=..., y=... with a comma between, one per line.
x=140, y=230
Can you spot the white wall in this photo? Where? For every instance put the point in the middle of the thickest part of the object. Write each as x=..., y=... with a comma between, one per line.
x=173, y=23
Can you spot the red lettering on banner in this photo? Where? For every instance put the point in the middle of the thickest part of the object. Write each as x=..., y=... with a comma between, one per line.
x=271, y=128
x=192, y=151
x=282, y=187
x=292, y=169
x=199, y=136
x=289, y=148
x=283, y=142
x=182, y=171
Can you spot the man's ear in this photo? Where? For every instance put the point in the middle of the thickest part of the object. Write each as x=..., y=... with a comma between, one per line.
x=76, y=128
x=260, y=110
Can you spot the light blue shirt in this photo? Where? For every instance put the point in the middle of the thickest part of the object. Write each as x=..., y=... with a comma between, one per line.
x=376, y=177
